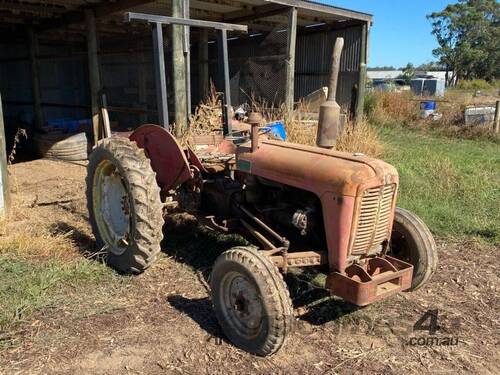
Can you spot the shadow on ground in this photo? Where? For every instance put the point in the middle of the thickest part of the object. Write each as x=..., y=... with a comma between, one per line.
x=200, y=310
x=197, y=246
x=85, y=244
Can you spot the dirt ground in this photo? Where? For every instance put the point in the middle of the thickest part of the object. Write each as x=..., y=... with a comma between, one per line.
x=162, y=320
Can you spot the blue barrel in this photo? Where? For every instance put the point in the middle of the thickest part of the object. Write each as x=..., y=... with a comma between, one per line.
x=428, y=105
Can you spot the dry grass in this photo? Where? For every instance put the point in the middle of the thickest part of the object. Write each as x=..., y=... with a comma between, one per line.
x=29, y=239
x=301, y=127
x=20, y=134
x=401, y=109
x=207, y=115
x=391, y=107
x=360, y=137
x=300, y=124
x=28, y=236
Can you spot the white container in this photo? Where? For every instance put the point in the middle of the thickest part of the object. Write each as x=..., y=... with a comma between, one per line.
x=479, y=115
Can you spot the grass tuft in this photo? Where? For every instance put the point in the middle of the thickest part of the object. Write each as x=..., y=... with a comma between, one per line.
x=27, y=286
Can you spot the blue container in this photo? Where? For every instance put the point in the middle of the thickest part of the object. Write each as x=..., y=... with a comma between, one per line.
x=277, y=129
x=69, y=125
x=428, y=105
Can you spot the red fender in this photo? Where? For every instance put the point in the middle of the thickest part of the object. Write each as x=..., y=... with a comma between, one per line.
x=167, y=157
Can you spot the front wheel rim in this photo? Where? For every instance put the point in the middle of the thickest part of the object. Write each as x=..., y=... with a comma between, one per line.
x=242, y=305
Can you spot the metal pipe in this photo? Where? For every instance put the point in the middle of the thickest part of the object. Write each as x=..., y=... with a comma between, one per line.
x=160, y=78
x=132, y=16
x=283, y=240
x=255, y=119
x=329, y=123
x=334, y=73
x=224, y=83
x=263, y=240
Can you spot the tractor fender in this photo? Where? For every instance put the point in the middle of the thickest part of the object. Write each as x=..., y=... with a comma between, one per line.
x=168, y=160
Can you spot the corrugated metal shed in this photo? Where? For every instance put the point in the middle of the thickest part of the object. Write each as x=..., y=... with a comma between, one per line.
x=257, y=61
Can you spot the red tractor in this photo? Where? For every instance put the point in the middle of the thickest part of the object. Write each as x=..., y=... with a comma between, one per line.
x=299, y=206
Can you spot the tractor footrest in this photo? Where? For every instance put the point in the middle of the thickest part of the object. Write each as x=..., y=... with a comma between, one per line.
x=379, y=278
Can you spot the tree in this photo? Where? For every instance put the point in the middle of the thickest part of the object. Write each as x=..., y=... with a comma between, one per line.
x=468, y=34
x=408, y=73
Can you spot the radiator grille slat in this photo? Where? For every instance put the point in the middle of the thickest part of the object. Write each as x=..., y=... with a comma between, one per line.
x=374, y=215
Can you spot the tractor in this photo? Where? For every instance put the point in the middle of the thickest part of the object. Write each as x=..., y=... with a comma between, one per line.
x=299, y=206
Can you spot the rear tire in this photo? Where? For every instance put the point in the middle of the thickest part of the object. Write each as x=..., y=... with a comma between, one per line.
x=412, y=241
x=125, y=210
x=251, y=301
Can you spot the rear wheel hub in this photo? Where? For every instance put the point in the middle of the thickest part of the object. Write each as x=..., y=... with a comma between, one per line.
x=112, y=201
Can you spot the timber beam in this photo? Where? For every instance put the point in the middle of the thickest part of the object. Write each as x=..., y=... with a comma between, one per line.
x=100, y=11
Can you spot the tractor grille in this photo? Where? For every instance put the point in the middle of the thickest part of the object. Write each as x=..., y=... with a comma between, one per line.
x=374, y=216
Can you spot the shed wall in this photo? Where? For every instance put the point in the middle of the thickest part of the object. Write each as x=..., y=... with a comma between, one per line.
x=312, y=69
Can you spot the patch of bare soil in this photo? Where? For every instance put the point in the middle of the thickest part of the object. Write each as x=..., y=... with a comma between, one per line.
x=165, y=323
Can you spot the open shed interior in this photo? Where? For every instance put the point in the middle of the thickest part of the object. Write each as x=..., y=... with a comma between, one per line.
x=57, y=58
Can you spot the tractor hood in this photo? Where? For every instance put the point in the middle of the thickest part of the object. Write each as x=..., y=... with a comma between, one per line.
x=315, y=169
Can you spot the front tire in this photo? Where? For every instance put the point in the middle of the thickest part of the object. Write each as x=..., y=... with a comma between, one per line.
x=412, y=242
x=251, y=301
x=124, y=205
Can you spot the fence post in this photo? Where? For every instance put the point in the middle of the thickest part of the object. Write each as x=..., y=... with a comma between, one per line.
x=497, y=117
x=290, y=59
x=4, y=177
x=93, y=71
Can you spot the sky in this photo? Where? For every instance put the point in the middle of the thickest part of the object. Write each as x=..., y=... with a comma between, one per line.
x=401, y=33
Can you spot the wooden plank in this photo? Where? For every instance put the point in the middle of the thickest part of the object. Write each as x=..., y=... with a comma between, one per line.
x=4, y=176
x=94, y=76
x=360, y=100
x=255, y=12
x=78, y=16
x=179, y=71
x=290, y=59
x=321, y=8
x=38, y=10
x=35, y=78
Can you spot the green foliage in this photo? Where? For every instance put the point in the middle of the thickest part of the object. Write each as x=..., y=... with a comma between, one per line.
x=452, y=184
x=369, y=104
x=408, y=73
x=385, y=67
x=475, y=84
x=27, y=286
x=468, y=34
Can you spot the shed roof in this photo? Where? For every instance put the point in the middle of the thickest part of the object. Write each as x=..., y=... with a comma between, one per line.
x=260, y=15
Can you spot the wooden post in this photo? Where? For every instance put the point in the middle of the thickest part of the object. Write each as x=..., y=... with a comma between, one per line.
x=35, y=79
x=4, y=177
x=179, y=71
x=360, y=101
x=496, y=123
x=187, y=56
x=142, y=88
x=94, y=76
x=290, y=59
x=203, y=64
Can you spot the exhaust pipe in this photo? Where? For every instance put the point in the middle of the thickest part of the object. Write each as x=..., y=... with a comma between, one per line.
x=330, y=120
